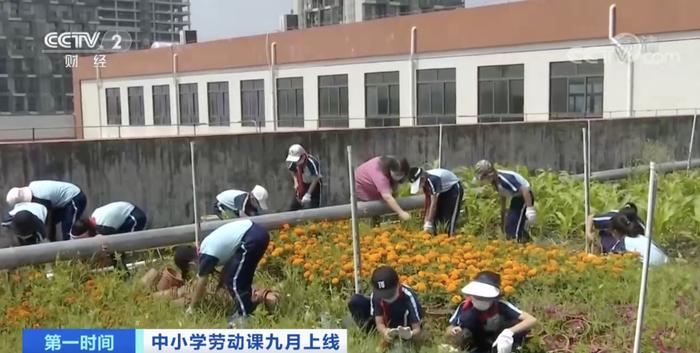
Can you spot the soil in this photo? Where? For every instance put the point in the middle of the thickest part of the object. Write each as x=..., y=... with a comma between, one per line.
x=556, y=342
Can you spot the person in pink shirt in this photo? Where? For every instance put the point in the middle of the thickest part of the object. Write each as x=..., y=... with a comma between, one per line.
x=377, y=179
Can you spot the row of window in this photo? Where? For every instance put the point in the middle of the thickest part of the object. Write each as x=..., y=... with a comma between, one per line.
x=49, y=11
x=34, y=103
x=576, y=89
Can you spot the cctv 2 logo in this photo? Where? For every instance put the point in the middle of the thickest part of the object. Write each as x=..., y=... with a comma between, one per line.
x=112, y=41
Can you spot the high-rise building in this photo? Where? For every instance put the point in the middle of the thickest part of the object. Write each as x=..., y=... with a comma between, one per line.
x=314, y=13
x=147, y=21
x=33, y=82
x=36, y=86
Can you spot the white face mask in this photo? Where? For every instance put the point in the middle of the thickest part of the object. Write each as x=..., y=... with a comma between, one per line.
x=481, y=305
x=396, y=176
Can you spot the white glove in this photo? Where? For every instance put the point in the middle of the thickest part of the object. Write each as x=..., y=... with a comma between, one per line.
x=391, y=334
x=455, y=331
x=428, y=227
x=531, y=215
x=504, y=342
x=306, y=199
x=405, y=333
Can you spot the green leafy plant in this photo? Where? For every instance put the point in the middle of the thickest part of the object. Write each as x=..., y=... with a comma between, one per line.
x=559, y=201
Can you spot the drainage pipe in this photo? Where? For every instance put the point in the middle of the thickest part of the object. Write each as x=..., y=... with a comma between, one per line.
x=622, y=173
x=155, y=238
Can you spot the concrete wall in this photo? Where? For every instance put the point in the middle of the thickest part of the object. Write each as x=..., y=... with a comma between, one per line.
x=156, y=174
x=663, y=64
x=36, y=127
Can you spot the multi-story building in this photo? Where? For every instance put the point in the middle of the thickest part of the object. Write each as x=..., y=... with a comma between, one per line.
x=146, y=21
x=315, y=13
x=524, y=61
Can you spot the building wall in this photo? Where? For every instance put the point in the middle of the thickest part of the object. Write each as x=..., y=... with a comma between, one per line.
x=36, y=127
x=660, y=83
x=155, y=173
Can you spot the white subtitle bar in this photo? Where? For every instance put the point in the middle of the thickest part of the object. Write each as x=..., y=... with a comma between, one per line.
x=245, y=341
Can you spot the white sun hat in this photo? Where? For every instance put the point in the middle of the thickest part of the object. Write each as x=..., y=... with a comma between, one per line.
x=17, y=195
x=295, y=152
x=414, y=176
x=485, y=285
x=260, y=193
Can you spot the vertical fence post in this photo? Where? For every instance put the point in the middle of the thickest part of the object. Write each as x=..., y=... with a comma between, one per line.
x=692, y=138
x=645, y=267
x=586, y=186
x=34, y=135
x=355, y=229
x=440, y=148
x=588, y=147
x=194, y=196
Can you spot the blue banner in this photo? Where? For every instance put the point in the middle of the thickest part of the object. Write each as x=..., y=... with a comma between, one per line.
x=183, y=341
x=78, y=341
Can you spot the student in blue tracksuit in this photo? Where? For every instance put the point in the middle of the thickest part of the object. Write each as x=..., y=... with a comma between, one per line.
x=306, y=174
x=28, y=221
x=393, y=309
x=485, y=322
x=241, y=203
x=443, y=195
x=65, y=203
x=603, y=223
x=237, y=246
x=509, y=184
x=113, y=218
x=628, y=240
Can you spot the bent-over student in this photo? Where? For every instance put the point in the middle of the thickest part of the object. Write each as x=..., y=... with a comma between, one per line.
x=443, y=197
x=64, y=201
x=27, y=221
x=238, y=246
x=241, y=203
x=603, y=223
x=378, y=178
x=510, y=184
x=624, y=232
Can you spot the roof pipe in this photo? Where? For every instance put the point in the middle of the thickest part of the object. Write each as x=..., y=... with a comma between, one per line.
x=177, y=93
x=273, y=63
x=612, y=17
x=156, y=238
x=612, y=32
x=621, y=173
x=412, y=65
x=98, y=86
x=413, y=40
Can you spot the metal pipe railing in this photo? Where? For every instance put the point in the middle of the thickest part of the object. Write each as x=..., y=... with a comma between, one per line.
x=156, y=238
x=621, y=173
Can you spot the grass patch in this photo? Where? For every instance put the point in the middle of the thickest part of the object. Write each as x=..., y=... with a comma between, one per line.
x=587, y=309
